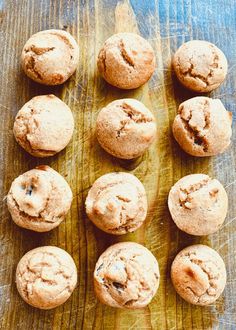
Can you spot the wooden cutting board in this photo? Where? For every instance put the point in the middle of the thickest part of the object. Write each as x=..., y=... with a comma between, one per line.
x=166, y=24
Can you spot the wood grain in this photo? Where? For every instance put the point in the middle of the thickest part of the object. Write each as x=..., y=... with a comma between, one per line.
x=166, y=24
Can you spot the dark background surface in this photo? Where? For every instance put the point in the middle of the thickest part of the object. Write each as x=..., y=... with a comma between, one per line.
x=166, y=24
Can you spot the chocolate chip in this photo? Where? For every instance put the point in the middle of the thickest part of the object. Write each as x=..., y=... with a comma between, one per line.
x=198, y=141
x=118, y=286
x=29, y=190
x=100, y=267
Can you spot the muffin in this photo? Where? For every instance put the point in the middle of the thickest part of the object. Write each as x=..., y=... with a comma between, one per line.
x=126, y=276
x=126, y=60
x=125, y=128
x=198, y=204
x=202, y=126
x=46, y=277
x=117, y=203
x=44, y=126
x=50, y=57
x=39, y=199
x=200, y=65
x=198, y=274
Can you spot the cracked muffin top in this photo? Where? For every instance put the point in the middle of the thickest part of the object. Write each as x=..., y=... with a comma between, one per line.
x=125, y=128
x=44, y=126
x=117, y=203
x=202, y=126
x=46, y=277
x=198, y=274
x=126, y=60
x=126, y=276
x=50, y=57
x=198, y=204
x=39, y=199
x=200, y=65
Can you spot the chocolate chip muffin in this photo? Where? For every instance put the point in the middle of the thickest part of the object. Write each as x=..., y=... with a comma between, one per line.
x=126, y=276
x=117, y=203
x=46, y=277
x=39, y=199
x=125, y=128
x=126, y=60
x=50, y=57
x=198, y=204
x=202, y=126
x=200, y=65
x=44, y=126
x=198, y=274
